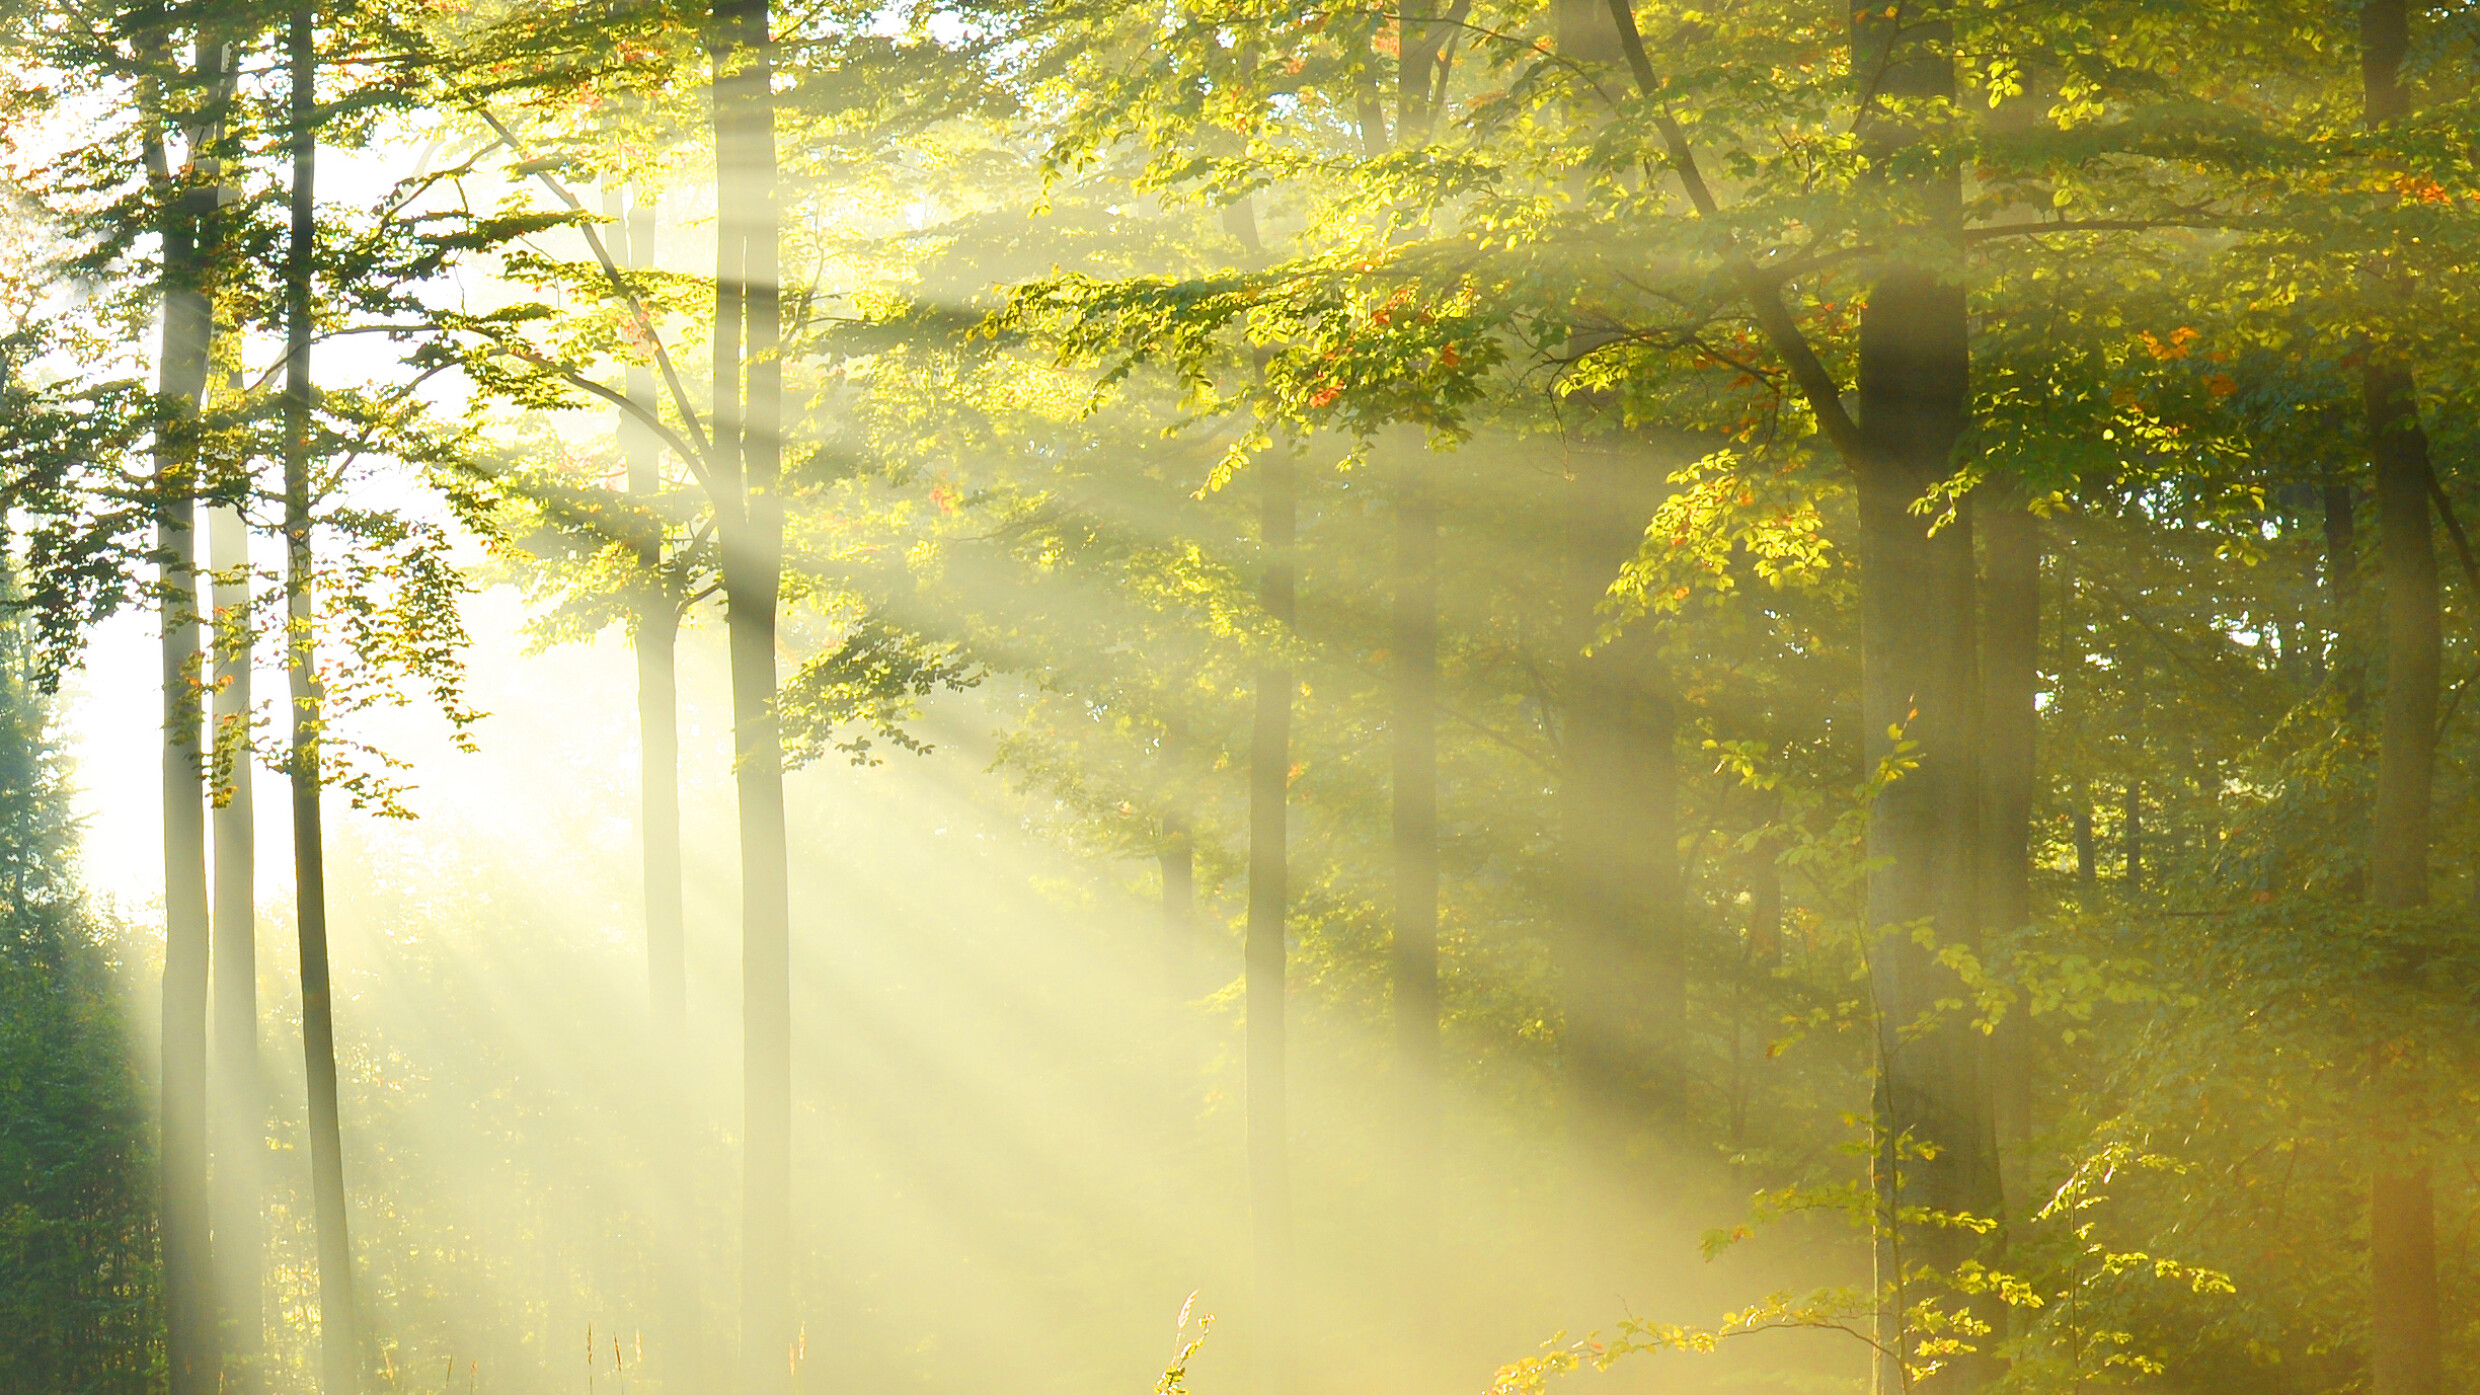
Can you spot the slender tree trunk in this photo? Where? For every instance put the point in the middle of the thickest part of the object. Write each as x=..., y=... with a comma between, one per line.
x=240, y=1115
x=2087, y=849
x=657, y=631
x=749, y=373
x=189, y=1282
x=2405, y=1351
x=1270, y=758
x=2010, y=682
x=1413, y=956
x=680, y=1340
x=339, y=1329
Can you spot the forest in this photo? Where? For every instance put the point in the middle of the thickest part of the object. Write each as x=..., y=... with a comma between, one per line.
x=1529, y=697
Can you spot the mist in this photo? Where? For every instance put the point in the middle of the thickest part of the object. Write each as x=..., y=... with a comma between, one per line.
x=1223, y=700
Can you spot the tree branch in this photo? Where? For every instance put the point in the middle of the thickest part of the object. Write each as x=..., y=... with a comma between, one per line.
x=646, y=416
x=620, y=284
x=1824, y=395
x=2454, y=530
x=1990, y=231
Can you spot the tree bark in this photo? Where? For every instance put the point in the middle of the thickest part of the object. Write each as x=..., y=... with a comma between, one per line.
x=1917, y=684
x=2407, y=756
x=1270, y=1193
x=1920, y=682
x=339, y=1339
x=2405, y=1343
x=240, y=1106
x=192, y=1362
x=2405, y=1351
x=748, y=398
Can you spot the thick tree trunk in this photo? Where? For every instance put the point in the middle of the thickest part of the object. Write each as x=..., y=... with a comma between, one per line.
x=1270, y=756
x=1917, y=621
x=339, y=1339
x=2404, y=1335
x=2405, y=1352
x=189, y=1285
x=2010, y=683
x=1917, y=617
x=1413, y=956
x=2407, y=757
x=1920, y=679
x=2405, y=1355
x=240, y=1107
x=748, y=397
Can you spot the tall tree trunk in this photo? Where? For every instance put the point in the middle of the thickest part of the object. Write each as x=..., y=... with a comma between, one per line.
x=193, y=1366
x=656, y=635
x=1917, y=656
x=749, y=375
x=1919, y=678
x=240, y=1113
x=1413, y=955
x=2010, y=683
x=2405, y=1356
x=339, y=1328
x=2404, y=1337
x=1262, y=950
x=679, y=1329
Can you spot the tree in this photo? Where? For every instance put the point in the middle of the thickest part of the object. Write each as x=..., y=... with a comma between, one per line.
x=2404, y=1356
x=188, y=237
x=340, y=1357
